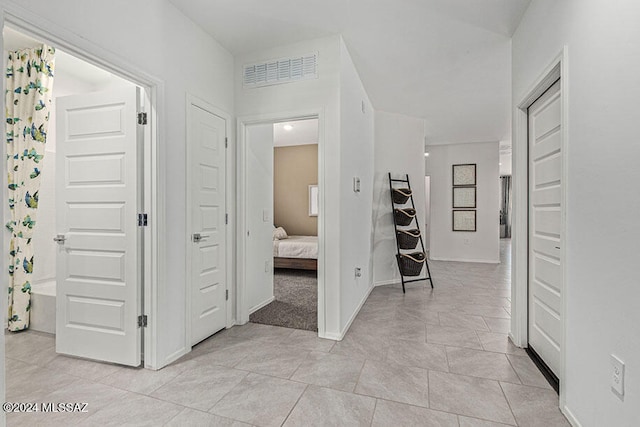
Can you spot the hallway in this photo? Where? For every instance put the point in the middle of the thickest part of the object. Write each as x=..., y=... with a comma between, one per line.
x=429, y=357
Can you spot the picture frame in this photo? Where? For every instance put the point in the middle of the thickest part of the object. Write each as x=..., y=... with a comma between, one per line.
x=464, y=174
x=464, y=197
x=464, y=220
x=313, y=200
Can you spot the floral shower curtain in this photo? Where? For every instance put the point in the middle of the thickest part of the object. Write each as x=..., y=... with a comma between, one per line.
x=29, y=79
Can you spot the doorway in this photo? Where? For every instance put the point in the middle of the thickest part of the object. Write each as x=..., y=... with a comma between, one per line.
x=89, y=267
x=281, y=228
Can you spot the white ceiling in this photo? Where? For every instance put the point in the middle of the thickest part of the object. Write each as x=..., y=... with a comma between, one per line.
x=301, y=132
x=447, y=61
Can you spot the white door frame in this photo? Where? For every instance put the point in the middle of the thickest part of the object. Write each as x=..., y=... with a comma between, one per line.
x=242, y=304
x=520, y=247
x=153, y=156
x=200, y=103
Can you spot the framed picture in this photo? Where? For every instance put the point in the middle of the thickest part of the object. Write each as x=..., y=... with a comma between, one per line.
x=464, y=220
x=313, y=200
x=464, y=197
x=464, y=175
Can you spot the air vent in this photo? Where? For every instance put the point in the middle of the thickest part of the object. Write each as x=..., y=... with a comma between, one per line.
x=283, y=70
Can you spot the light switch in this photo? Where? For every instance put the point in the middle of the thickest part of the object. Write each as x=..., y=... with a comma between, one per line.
x=265, y=215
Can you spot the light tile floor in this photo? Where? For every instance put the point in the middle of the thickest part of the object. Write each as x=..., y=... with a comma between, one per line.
x=425, y=358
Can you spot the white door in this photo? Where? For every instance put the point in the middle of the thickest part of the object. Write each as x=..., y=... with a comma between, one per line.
x=207, y=134
x=259, y=216
x=98, y=262
x=545, y=232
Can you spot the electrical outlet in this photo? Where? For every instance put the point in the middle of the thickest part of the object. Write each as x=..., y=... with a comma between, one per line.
x=267, y=266
x=358, y=272
x=265, y=215
x=356, y=184
x=617, y=376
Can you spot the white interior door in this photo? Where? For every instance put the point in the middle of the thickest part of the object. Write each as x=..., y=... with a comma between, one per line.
x=98, y=261
x=259, y=215
x=207, y=134
x=545, y=229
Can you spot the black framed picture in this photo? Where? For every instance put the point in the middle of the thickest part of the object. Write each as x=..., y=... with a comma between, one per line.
x=464, y=175
x=464, y=197
x=464, y=220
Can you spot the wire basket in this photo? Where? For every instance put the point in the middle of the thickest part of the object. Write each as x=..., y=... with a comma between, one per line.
x=411, y=264
x=404, y=216
x=408, y=239
x=400, y=196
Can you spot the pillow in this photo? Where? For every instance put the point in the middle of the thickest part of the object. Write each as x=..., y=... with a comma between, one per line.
x=279, y=234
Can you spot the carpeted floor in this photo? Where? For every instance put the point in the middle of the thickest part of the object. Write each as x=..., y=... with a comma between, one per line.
x=296, y=303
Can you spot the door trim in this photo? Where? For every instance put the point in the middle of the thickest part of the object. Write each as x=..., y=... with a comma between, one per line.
x=558, y=69
x=204, y=105
x=153, y=200
x=242, y=307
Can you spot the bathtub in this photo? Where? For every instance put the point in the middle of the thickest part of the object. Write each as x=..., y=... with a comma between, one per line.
x=43, y=307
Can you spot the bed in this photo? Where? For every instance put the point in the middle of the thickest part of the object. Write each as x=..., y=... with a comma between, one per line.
x=296, y=252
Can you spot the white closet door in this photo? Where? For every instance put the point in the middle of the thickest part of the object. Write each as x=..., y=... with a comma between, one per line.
x=545, y=237
x=98, y=262
x=207, y=133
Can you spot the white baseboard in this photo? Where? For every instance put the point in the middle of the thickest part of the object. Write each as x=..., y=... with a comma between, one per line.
x=483, y=261
x=570, y=417
x=387, y=282
x=173, y=357
x=340, y=336
x=262, y=304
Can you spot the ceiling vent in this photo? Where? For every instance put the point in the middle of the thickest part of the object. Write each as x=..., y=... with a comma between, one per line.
x=283, y=70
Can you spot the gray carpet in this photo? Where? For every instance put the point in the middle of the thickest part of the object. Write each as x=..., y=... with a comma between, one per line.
x=296, y=303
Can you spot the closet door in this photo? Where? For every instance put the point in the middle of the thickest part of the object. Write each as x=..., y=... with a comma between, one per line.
x=99, y=259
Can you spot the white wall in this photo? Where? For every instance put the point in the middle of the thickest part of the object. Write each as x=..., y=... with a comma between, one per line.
x=155, y=37
x=322, y=94
x=399, y=149
x=427, y=211
x=602, y=238
x=483, y=245
x=356, y=160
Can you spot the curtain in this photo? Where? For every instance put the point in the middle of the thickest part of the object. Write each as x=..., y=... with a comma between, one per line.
x=29, y=80
x=505, y=206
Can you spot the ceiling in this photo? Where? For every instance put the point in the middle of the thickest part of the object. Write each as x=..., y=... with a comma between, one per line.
x=447, y=61
x=299, y=132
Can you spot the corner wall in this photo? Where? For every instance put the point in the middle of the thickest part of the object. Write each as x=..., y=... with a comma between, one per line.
x=399, y=149
x=602, y=248
x=483, y=245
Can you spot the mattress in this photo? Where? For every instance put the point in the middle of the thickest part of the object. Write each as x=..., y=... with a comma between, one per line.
x=296, y=247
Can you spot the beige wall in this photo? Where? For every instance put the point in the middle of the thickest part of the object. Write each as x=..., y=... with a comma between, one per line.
x=295, y=169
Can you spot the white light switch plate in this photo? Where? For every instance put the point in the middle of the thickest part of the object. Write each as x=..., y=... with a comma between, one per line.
x=617, y=376
x=265, y=215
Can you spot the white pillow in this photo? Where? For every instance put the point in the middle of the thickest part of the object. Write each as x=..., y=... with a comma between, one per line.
x=279, y=234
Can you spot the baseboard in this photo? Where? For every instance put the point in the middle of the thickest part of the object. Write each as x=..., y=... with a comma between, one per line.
x=262, y=304
x=173, y=357
x=483, y=261
x=353, y=316
x=387, y=282
x=570, y=417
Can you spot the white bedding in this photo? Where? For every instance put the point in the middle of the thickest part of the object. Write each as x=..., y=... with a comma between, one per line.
x=296, y=247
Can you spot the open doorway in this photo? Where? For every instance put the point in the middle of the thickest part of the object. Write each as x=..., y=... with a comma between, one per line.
x=295, y=228
x=85, y=269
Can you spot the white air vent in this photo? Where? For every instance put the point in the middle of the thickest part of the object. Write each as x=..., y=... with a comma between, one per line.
x=283, y=70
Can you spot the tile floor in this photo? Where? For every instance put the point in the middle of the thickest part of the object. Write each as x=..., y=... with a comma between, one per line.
x=426, y=358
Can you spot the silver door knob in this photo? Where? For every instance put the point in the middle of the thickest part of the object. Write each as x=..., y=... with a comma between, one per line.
x=197, y=238
x=59, y=239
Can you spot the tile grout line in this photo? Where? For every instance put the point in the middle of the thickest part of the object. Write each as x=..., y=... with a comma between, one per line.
x=295, y=404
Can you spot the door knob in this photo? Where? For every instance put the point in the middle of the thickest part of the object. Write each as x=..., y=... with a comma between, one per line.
x=197, y=237
x=59, y=239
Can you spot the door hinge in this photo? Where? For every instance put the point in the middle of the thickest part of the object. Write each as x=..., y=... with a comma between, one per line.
x=143, y=220
x=142, y=118
x=226, y=295
x=226, y=218
x=142, y=321
x=226, y=142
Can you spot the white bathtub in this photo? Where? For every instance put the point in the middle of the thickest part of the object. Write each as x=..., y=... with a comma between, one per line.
x=43, y=307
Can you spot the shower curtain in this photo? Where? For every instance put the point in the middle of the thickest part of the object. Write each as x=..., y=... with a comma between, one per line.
x=29, y=79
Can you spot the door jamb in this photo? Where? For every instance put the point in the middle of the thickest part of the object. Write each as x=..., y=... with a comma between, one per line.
x=200, y=103
x=241, y=301
x=520, y=248
x=153, y=157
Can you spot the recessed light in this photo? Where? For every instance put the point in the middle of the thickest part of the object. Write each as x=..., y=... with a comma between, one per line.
x=426, y=154
x=287, y=127
x=499, y=164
